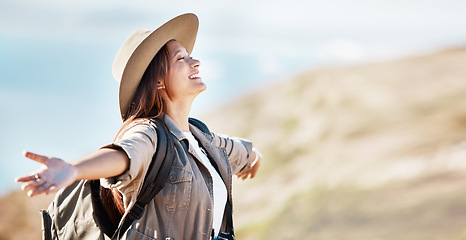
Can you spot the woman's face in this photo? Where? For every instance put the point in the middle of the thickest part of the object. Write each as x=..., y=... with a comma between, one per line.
x=183, y=75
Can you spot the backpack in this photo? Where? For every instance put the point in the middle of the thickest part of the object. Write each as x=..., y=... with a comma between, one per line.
x=77, y=211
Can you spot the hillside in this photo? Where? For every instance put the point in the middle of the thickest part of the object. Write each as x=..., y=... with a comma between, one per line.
x=375, y=151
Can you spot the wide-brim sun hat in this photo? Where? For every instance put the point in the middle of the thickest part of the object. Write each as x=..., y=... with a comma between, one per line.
x=134, y=56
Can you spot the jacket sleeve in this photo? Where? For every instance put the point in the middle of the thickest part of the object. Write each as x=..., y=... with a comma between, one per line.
x=238, y=150
x=139, y=142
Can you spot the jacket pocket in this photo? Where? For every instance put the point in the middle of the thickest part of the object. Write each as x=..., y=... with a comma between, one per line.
x=137, y=235
x=177, y=190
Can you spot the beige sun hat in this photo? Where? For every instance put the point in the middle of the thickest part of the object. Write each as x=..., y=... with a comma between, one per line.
x=140, y=48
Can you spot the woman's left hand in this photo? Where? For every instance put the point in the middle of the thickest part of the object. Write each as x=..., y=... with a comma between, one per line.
x=251, y=173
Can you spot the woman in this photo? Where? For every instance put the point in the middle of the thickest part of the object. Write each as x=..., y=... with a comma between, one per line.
x=159, y=79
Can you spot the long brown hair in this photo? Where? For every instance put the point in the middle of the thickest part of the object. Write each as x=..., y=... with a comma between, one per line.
x=147, y=103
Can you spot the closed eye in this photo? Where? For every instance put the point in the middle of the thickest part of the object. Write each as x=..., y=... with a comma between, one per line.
x=184, y=57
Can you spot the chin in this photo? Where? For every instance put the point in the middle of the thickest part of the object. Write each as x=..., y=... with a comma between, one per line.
x=199, y=89
x=205, y=87
x=202, y=87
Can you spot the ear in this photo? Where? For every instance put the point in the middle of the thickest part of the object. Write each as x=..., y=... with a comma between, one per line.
x=160, y=85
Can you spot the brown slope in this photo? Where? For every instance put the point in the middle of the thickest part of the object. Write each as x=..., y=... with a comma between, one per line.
x=365, y=128
x=20, y=217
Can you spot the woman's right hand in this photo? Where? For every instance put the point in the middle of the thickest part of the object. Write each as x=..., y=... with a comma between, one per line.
x=52, y=176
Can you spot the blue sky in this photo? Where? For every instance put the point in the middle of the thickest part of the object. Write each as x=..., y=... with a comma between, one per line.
x=58, y=96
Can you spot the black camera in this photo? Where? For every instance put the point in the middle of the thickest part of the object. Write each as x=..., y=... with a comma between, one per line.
x=225, y=236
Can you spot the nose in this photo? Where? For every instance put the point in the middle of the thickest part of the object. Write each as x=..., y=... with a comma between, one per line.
x=195, y=63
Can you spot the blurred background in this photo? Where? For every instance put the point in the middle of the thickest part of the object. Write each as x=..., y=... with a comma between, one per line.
x=359, y=107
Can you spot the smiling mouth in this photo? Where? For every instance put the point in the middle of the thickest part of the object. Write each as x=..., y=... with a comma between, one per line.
x=194, y=75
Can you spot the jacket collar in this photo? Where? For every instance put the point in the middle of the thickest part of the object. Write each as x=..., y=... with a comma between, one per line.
x=179, y=135
x=174, y=129
x=204, y=140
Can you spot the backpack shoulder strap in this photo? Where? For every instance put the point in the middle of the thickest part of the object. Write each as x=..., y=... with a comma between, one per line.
x=199, y=124
x=46, y=225
x=155, y=178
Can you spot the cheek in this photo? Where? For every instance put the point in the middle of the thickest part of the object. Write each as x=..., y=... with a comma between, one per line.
x=177, y=79
x=176, y=84
x=177, y=73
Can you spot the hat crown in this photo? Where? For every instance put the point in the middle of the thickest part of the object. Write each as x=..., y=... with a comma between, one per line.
x=126, y=50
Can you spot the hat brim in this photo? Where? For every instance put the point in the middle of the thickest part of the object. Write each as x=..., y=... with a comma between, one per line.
x=137, y=52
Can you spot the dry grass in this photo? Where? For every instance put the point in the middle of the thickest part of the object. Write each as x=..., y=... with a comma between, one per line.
x=416, y=209
x=20, y=217
x=336, y=140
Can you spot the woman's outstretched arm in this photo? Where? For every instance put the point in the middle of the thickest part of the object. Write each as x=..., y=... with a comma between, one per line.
x=56, y=173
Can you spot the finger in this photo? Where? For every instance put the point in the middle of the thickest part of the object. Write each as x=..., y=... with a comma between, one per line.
x=39, y=190
x=245, y=176
x=25, y=178
x=255, y=169
x=32, y=185
x=36, y=157
x=52, y=189
x=249, y=174
x=240, y=175
x=30, y=177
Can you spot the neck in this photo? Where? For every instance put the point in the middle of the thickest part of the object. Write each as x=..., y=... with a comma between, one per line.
x=179, y=113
